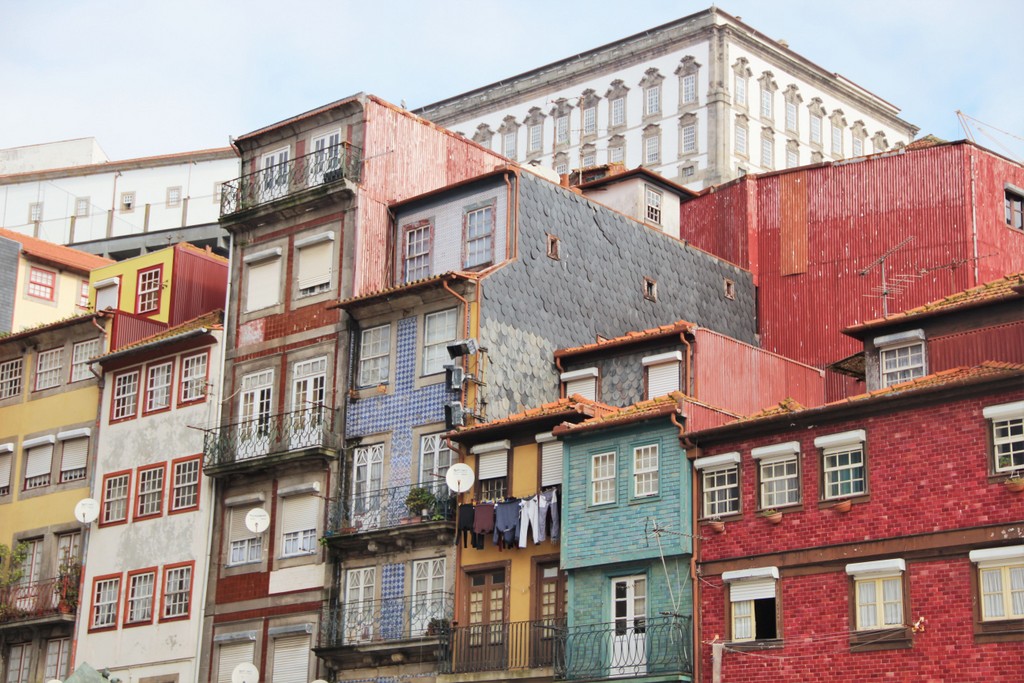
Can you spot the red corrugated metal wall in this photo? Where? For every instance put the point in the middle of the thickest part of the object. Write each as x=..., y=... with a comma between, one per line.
x=1000, y=342
x=744, y=379
x=129, y=328
x=699, y=417
x=199, y=286
x=405, y=157
x=721, y=222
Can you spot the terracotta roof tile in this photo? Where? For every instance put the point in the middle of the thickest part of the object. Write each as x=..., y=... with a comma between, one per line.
x=45, y=327
x=675, y=328
x=574, y=404
x=783, y=407
x=404, y=287
x=57, y=254
x=638, y=412
x=212, y=320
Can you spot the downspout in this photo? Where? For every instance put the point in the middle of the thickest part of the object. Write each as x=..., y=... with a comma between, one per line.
x=510, y=239
x=690, y=383
x=561, y=371
x=695, y=629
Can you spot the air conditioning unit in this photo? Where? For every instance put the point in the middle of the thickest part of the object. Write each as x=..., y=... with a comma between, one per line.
x=463, y=347
x=454, y=415
x=454, y=376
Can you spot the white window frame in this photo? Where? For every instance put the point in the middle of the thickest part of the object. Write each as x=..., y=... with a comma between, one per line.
x=479, y=236
x=149, y=496
x=116, y=496
x=436, y=341
x=590, y=120
x=193, y=377
x=653, y=200
x=57, y=658
x=81, y=354
x=777, y=489
x=147, y=290
x=1004, y=601
x=375, y=355
x=509, y=144
x=1007, y=425
x=741, y=139
x=715, y=471
x=82, y=207
x=298, y=542
x=535, y=137
x=603, y=478
x=159, y=385
x=126, y=395
x=140, y=605
x=904, y=358
x=562, y=129
x=817, y=120
x=646, y=461
x=185, y=484
x=105, y=601
x=177, y=592
x=257, y=270
x=320, y=245
x=742, y=615
x=247, y=549
x=49, y=368
x=690, y=89
x=689, y=135
x=618, y=112
x=871, y=610
x=792, y=116
x=416, y=264
x=10, y=377
x=833, y=447
x=767, y=103
x=652, y=149
x=767, y=152
x=652, y=100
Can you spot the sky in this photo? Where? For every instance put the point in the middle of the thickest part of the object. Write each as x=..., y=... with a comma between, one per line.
x=147, y=78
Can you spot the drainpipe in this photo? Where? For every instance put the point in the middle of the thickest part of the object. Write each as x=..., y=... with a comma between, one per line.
x=561, y=385
x=687, y=444
x=690, y=383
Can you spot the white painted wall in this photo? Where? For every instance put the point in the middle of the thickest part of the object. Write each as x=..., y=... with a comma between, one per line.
x=628, y=197
x=78, y=152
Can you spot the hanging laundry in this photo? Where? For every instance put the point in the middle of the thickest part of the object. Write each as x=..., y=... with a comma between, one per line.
x=506, y=523
x=529, y=518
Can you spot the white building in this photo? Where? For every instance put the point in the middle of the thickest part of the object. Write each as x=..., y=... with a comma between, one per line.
x=702, y=100
x=70, y=193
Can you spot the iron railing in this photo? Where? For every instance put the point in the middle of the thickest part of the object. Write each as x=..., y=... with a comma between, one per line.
x=655, y=646
x=269, y=434
x=33, y=600
x=341, y=162
x=371, y=510
x=388, y=620
x=503, y=646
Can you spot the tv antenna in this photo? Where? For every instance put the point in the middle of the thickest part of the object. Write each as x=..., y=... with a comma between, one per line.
x=888, y=288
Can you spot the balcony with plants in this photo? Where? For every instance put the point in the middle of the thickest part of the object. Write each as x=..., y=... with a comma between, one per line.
x=391, y=518
x=24, y=603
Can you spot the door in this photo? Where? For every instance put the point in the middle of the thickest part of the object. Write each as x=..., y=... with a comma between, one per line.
x=29, y=595
x=327, y=157
x=358, y=610
x=274, y=172
x=309, y=378
x=428, y=599
x=481, y=646
x=367, y=471
x=629, y=637
x=255, y=427
x=551, y=603
x=435, y=459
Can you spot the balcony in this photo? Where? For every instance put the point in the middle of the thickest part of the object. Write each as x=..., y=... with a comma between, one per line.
x=322, y=169
x=269, y=440
x=34, y=602
x=388, y=631
x=393, y=518
x=506, y=646
x=661, y=646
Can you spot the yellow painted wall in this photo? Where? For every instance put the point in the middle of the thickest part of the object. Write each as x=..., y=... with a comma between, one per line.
x=30, y=311
x=128, y=271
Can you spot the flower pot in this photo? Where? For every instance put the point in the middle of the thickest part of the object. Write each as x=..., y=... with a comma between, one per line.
x=717, y=526
x=842, y=506
x=1015, y=485
x=774, y=517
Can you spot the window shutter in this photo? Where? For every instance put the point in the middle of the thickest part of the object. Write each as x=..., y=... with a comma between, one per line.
x=5, y=470
x=752, y=590
x=298, y=514
x=584, y=386
x=551, y=463
x=263, y=285
x=106, y=297
x=662, y=379
x=238, y=530
x=291, y=659
x=315, y=264
x=231, y=655
x=76, y=452
x=39, y=460
x=492, y=465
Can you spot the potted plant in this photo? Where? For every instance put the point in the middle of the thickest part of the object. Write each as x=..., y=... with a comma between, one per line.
x=716, y=524
x=419, y=502
x=772, y=515
x=1015, y=482
x=438, y=626
x=66, y=588
x=842, y=505
x=11, y=570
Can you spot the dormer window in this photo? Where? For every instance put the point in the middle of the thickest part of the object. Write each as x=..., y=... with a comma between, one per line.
x=662, y=373
x=901, y=357
x=582, y=382
x=479, y=231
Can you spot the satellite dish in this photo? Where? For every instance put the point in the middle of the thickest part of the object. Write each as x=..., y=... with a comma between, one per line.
x=53, y=680
x=87, y=510
x=245, y=672
x=257, y=520
x=319, y=680
x=460, y=477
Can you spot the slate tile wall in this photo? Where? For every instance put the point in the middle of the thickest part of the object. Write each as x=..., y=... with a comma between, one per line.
x=9, y=250
x=622, y=375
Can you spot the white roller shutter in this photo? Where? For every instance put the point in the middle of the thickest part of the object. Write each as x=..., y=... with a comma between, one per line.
x=315, y=264
x=39, y=460
x=584, y=386
x=755, y=589
x=291, y=660
x=551, y=463
x=231, y=655
x=662, y=379
x=238, y=530
x=492, y=465
x=76, y=452
x=106, y=294
x=298, y=514
x=5, y=470
x=264, y=284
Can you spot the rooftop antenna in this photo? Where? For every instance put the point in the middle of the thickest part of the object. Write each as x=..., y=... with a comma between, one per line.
x=889, y=288
x=984, y=128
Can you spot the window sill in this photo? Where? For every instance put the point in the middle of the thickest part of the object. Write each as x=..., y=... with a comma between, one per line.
x=1003, y=631
x=755, y=645
x=640, y=500
x=788, y=508
x=881, y=639
x=829, y=503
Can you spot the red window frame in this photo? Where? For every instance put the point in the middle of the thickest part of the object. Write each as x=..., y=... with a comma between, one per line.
x=181, y=376
x=113, y=394
x=171, y=510
x=83, y=295
x=154, y=605
x=170, y=387
x=42, y=286
x=159, y=270
x=92, y=603
x=191, y=564
x=103, y=499
x=136, y=514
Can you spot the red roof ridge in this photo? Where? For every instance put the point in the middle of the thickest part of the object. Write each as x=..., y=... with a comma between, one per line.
x=634, y=336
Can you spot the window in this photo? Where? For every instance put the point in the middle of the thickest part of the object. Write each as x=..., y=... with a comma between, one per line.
x=74, y=454
x=791, y=117
x=767, y=152
x=127, y=202
x=562, y=129
x=150, y=496
x=126, y=394
x=83, y=294
x=41, y=283
x=652, y=148
x=650, y=289
x=844, y=469
x=690, y=138
x=115, y=497
x=38, y=461
x=82, y=205
x=374, y=356
x=662, y=373
x=417, y=252
x=291, y=659
x=1007, y=436
x=107, y=293
x=255, y=405
x=689, y=88
x=479, y=228
x=274, y=174
x=536, y=138
x=741, y=90
x=645, y=471
x=35, y=212
x=435, y=459
x=367, y=473
x=602, y=479
x=652, y=200
x=298, y=526
x=147, y=297
x=618, y=115
x=173, y=197
x=69, y=547
x=616, y=154
x=589, y=157
x=550, y=460
x=140, y=597
x=1014, y=209
x=185, y=484
x=582, y=382
x=106, y=591
x=48, y=369
x=57, y=652
x=753, y=603
x=590, y=121
x=878, y=593
x=230, y=655
x=652, y=100
x=193, y=378
x=554, y=247
x=816, y=129
x=177, y=594
x=720, y=484
x=1000, y=583
x=858, y=146
x=767, y=103
x=741, y=138
x=327, y=155
x=837, y=140
x=18, y=661
x=792, y=157
x=779, y=473
x=246, y=547
x=6, y=459
x=492, y=469
x=902, y=363
x=158, y=386
x=315, y=254
x=509, y=148
x=10, y=378
x=263, y=279
x=438, y=332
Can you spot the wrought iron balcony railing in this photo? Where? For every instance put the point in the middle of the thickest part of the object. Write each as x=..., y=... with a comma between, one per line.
x=33, y=600
x=371, y=510
x=268, y=435
x=503, y=646
x=340, y=162
x=655, y=646
x=389, y=620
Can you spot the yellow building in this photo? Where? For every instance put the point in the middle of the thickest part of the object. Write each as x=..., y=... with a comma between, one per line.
x=41, y=282
x=48, y=421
